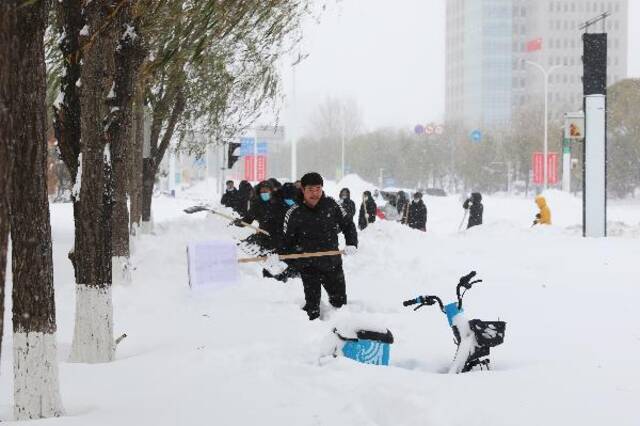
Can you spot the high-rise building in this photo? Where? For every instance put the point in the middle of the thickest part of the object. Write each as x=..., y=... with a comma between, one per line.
x=488, y=42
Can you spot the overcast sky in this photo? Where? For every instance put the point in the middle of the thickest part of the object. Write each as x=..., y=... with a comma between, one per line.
x=389, y=57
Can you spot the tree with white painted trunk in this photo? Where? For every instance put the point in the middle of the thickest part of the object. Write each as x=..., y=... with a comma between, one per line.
x=128, y=56
x=36, y=389
x=6, y=40
x=93, y=334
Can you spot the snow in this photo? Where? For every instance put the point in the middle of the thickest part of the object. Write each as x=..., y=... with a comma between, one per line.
x=246, y=354
x=112, y=91
x=75, y=191
x=130, y=32
x=59, y=100
x=84, y=31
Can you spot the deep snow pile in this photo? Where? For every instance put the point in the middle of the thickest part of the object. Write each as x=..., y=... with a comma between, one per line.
x=247, y=354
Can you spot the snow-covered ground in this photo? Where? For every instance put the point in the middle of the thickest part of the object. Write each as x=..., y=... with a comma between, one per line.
x=247, y=355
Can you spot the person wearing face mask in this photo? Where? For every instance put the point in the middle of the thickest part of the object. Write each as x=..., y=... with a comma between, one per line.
x=347, y=203
x=417, y=216
x=267, y=210
x=368, y=210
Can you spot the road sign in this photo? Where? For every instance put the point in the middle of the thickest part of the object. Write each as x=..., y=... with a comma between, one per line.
x=574, y=126
x=476, y=136
x=429, y=129
x=439, y=130
x=419, y=129
x=247, y=148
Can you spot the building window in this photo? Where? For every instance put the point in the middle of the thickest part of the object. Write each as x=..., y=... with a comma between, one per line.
x=573, y=7
x=550, y=6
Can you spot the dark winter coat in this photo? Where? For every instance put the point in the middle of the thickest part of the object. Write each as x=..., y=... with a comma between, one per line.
x=401, y=203
x=311, y=229
x=230, y=199
x=367, y=213
x=244, y=196
x=417, y=217
x=270, y=216
x=476, y=209
x=347, y=203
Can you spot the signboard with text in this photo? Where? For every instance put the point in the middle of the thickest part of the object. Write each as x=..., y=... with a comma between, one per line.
x=538, y=168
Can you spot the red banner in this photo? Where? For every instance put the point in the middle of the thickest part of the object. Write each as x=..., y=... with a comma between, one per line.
x=535, y=44
x=248, y=168
x=260, y=168
x=538, y=168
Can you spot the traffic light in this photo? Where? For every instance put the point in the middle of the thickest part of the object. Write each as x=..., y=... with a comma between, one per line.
x=231, y=157
x=595, y=64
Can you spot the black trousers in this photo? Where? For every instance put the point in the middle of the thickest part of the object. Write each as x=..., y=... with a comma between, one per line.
x=333, y=282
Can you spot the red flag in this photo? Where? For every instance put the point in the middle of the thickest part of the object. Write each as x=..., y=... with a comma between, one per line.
x=535, y=44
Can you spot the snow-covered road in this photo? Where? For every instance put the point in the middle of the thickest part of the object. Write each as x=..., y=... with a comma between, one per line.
x=247, y=354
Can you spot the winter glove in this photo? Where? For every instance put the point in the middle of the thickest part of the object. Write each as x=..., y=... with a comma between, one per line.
x=350, y=250
x=274, y=265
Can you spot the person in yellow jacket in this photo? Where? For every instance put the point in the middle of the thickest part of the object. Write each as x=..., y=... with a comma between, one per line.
x=544, y=217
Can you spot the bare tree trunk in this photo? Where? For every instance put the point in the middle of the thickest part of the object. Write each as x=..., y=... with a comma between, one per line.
x=128, y=58
x=148, y=178
x=36, y=389
x=7, y=31
x=93, y=332
x=135, y=163
x=152, y=164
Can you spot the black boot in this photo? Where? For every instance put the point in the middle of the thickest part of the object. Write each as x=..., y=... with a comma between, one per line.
x=312, y=312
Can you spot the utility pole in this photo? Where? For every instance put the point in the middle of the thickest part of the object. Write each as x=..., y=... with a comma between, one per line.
x=545, y=75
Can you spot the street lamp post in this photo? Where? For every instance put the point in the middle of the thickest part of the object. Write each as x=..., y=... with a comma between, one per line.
x=545, y=74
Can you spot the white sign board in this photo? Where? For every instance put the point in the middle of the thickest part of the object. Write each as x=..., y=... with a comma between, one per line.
x=212, y=264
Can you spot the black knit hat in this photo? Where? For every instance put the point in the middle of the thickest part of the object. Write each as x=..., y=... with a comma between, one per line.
x=289, y=190
x=312, y=178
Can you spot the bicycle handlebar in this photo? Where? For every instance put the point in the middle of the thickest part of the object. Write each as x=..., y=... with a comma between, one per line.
x=424, y=301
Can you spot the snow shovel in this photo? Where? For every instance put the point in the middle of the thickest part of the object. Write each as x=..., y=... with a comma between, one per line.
x=463, y=218
x=196, y=209
x=277, y=267
x=293, y=256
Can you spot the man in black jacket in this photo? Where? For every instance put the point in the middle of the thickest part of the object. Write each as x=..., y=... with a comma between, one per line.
x=417, y=217
x=313, y=226
x=476, y=209
x=230, y=197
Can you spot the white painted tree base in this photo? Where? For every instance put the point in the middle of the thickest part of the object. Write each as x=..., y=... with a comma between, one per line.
x=36, y=391
x=93, y=333
x=121, y=270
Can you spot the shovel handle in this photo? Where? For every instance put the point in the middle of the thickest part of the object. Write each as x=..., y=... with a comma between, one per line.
x=293, y=256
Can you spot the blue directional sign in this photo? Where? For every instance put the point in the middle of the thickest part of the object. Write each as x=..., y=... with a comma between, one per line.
x=247, y=148
x=476, y=136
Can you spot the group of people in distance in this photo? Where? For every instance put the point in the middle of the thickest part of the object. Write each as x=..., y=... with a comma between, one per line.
x=297, y=217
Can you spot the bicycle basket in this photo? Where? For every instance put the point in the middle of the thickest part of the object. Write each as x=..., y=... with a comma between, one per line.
x=488, y=333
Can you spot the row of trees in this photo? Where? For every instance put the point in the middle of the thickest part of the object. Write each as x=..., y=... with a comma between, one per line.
x=209, y=65
x=501, y=161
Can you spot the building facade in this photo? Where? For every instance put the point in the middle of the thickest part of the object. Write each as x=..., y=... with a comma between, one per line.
x=487, y=76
